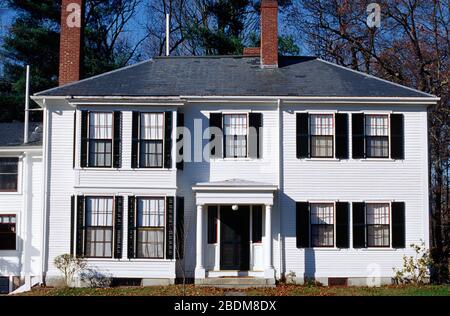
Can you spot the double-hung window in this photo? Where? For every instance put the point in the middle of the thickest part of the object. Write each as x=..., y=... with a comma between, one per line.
x=378, y=224
x=236, y=135
x=150, y=230
x=7, y=232
x=151, y=140
x=100, y=139
x=377, y=136
x=321, y=131
x=8, y=174
x=99, y=227
x=322, y=225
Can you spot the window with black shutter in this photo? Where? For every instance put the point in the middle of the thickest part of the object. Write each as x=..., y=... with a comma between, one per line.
x=358, y=136
x=377, y=136
x=216, y=131
x=168, y=140
x=341, y=135
x=397, y=136
x=131, y=227
x=302, y=128
x=212, y=224
x=235, y=132
x=255, y=135
x=180, y=233
x=180, y=141
x=117, y=149
x=359, y=225
x=257, y=223
x=170, y=227
x=100, y=139
x=118, y=225
x=342, y=225
x=150, y=226
x=398, y=225
x=302, y=224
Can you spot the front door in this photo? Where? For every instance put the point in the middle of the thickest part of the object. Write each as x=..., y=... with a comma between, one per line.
x=235, y=238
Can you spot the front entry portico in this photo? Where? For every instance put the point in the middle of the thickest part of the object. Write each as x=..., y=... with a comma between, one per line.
x=240, y=207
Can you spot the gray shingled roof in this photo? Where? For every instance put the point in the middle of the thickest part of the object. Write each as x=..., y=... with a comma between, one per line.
x=11, y=134
x=233, y=76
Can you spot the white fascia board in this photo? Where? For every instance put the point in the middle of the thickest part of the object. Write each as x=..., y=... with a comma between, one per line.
x=21, y=149
x=234, y=188
x=315, y=100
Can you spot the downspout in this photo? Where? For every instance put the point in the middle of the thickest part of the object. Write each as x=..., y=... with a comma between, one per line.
x=280, y=180
x=45, y=155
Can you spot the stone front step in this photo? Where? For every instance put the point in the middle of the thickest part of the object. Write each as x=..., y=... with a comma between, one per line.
x=236, y=282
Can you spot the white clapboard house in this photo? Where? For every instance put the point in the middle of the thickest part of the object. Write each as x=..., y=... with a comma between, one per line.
x=290, y=166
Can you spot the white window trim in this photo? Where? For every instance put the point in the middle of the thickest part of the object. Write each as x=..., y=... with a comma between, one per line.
x=18, y=250
x=247, y=113
x=88, y=132
x=390, y=224
x=20, y=175
x=334, y=247
x=163, y=142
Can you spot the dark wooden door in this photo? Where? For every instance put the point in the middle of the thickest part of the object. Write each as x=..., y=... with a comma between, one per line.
x=235, y=238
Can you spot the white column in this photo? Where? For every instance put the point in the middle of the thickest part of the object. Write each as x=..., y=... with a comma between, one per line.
x=200, y=272
x=269, y=270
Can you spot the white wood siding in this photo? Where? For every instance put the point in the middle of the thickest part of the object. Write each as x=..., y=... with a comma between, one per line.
x=355, y=180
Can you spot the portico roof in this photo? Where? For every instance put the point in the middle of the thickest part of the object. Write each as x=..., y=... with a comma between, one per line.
x=234, y=184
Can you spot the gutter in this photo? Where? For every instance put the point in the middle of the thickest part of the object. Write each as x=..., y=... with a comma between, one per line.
x=45, y=198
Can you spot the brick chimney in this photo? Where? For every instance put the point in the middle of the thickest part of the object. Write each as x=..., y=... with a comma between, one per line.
x=269, y=33
x=70, y=41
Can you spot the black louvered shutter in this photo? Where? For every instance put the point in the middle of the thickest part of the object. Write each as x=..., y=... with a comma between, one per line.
x=215, y=120
x=302, y=224
x=180, y=141
x=170, y=227
x=359, y=225
x=118, y=225
x=168, y=140
x=397, y=136
x=302, y=129
x=342, y=225
x=135, y=140
x=398, y=225
x=342, y=136
x=72, y=224
x=84, y=139
x=74, y=140
x=80, y=226
x=180, y=228
x=358, y=136
x=117, y=149
x=255, y=123
x=131, y=227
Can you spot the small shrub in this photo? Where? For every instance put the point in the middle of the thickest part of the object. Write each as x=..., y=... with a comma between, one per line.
x=416, y=269
x=95, y=279
x=69, y=267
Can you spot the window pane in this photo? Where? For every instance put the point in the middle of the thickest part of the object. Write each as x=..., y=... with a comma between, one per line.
x=377, y=125
x=7, y=232
x=9, y=165
x=99, y=242
x=152, y=126
x=378, y=221
x=235, y=129
x=322, y=146
x=151, y=212
x=100, y=125
x=8, y=174
x=99, y=211
x=322, y=214
x=150, y=243
x=100, y=153
x=321, y=125
x=377, y=146
x=151, y=154
x=322, y=225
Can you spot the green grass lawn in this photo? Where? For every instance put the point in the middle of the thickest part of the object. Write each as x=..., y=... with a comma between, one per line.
x=280, y=290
